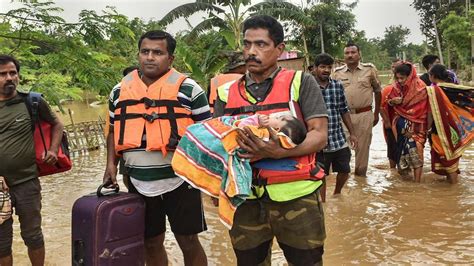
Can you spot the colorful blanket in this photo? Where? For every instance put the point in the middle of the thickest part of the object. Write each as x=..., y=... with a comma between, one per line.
x=206, y=157
x=453, y=116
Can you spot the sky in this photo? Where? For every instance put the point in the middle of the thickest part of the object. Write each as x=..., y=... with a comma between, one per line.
x=372, y=16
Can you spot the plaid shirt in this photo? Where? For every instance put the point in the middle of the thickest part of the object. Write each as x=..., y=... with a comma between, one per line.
x=336, y=104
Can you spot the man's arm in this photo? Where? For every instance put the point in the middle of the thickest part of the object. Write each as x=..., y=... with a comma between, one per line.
x=193, y=93
x=346, y=118
x=112, y=159
x=316, y=140
x=51, y=156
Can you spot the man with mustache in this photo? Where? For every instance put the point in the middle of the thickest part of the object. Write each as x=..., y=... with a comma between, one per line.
x=285, y=203
x=149, y=112
x=18, y=167
x=337, y=153
x=363, y=94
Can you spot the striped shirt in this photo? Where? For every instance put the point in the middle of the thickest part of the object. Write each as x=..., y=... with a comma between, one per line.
x=151, y=173
x=336, y=105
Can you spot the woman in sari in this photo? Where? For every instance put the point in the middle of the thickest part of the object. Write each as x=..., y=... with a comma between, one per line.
x=452, y=119
x=408, y=101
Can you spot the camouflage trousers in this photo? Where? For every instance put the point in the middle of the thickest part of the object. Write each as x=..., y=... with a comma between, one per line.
x=298, y=226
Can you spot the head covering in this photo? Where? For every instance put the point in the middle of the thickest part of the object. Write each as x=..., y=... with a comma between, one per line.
x=415, y=99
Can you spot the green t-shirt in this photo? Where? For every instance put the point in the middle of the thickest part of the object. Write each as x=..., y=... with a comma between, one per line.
x=17, y=150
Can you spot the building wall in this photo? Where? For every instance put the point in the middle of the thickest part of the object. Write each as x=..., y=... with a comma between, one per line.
x=294, y=63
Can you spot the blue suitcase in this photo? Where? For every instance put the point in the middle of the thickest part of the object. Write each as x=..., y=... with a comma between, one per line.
x=108, y=229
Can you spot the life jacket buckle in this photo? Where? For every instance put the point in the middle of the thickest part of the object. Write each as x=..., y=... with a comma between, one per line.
x=152, y=117
x=149, y=103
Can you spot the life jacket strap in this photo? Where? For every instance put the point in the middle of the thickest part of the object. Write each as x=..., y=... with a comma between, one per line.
x=150, y=103
x=255, y=108
x=169, y=115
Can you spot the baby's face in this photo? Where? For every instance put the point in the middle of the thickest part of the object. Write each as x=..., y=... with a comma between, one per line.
x=279, y=121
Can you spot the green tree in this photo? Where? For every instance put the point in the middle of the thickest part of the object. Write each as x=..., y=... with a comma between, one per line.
x=394, y=40
x=371, y=50
x=430, y=11
x=203, y=58
x=456, y=32
x=318, y=24
x=226, y=15
x=87, y=55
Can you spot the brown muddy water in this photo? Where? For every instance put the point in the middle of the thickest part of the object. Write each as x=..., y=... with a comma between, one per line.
x=381, y=219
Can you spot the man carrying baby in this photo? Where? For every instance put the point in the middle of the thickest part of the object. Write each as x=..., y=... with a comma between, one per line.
x=285, y=203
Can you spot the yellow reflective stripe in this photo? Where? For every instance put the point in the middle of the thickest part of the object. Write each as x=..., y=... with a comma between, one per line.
x=250, y=98
x=295, y=86
x=223, y=91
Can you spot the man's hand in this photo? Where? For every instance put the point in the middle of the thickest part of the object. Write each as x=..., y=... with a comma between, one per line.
x=354, y=141
x=376, y=119
x=110, y=175
x=257, y=148
x=50, y=157
x=386, y=124
x=4, y=186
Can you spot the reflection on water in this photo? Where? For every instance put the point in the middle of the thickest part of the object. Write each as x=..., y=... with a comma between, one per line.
x=378, y=219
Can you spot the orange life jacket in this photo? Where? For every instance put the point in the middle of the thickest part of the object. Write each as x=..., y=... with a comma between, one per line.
x=277, y=100
x=218, y=81
x=155, y=109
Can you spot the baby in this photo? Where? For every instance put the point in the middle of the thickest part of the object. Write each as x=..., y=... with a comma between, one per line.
x=287, y=125
x=207, y=155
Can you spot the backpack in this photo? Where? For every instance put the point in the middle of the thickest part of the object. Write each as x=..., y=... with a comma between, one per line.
x=42, y=139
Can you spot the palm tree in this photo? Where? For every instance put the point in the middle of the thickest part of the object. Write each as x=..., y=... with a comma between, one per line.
x=229, y=23
x=284, y=10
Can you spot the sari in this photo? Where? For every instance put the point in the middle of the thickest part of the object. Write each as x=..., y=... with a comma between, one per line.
x=410, y=120
x=388, y=114
x=452, y=108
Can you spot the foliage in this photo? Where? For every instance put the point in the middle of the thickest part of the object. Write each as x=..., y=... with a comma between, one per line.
x=371, y=50
x=456, y=31
x=59, y=58
x=226, y=15
x=202, y=59
x=337, y=21
x=394, y=40
x=430, y=11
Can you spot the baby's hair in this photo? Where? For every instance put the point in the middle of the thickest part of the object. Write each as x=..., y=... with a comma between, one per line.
x=294, y=129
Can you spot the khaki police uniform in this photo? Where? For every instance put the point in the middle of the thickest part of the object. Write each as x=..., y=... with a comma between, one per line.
x=360, y=86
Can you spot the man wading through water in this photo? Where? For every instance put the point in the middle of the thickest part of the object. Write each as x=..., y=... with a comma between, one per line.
x=145, y=132
x=18, y=166
x=286, y=208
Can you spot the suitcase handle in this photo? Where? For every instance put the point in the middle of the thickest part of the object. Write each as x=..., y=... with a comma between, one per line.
x=115, y=190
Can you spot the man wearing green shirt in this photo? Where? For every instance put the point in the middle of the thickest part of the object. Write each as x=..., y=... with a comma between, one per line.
x=18, y=167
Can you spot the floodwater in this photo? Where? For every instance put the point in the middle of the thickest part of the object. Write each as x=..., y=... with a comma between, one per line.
x=378, y=219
